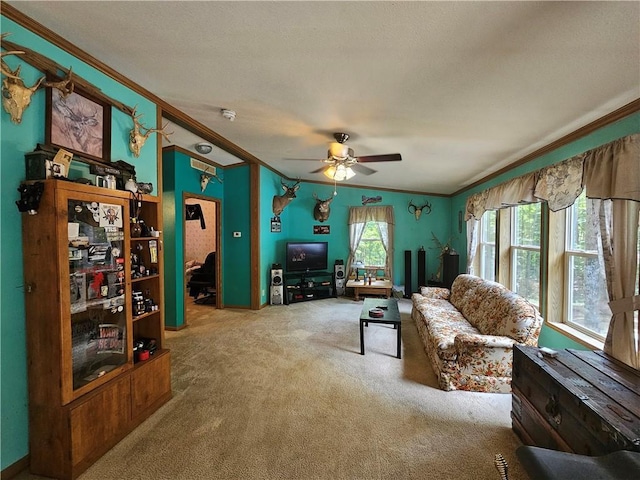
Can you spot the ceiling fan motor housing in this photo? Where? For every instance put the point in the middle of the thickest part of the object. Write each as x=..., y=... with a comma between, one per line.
x=339, y=150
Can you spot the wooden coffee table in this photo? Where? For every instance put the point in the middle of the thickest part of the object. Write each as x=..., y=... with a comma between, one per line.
x=377, y=287
x=391, y=316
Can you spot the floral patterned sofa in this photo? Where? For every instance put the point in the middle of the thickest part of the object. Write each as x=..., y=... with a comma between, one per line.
x=469, y=331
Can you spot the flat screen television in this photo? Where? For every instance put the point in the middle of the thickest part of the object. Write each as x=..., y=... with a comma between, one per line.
x=307, y=256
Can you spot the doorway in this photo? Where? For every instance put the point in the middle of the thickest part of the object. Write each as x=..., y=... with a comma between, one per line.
x=201, y=251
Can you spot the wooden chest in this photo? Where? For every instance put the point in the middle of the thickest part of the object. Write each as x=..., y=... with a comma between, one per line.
x=580, y=401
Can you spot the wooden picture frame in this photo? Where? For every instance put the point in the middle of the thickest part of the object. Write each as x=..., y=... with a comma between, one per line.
x=79, y=123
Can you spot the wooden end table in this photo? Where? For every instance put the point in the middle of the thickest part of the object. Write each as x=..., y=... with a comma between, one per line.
x=391, y=317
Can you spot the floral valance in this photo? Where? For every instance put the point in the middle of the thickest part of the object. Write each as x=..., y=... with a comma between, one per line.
x=609, y=171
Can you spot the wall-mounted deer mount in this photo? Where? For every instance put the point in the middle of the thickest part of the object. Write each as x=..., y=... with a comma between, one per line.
x=65, y=86
x=137, y=138
x=205, y=177
x=417, y=210
x=280, y=202
x=322, y=210
x=16, y=96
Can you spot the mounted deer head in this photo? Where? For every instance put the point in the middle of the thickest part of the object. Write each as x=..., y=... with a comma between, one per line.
x=417, y=211
x=137, y=138
x=16, y=96
x=280, y=202
x=322, y=209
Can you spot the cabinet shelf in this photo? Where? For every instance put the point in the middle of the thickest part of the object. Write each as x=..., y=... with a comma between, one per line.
x=145, y=315
x=80, y=326
x=142, y=279
x=302, y=287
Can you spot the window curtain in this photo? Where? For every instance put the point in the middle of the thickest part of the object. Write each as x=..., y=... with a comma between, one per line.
x=612, y=173
x=358, y=217
x=517, y=191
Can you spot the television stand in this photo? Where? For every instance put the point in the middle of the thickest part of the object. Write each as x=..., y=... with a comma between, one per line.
x=305, y=286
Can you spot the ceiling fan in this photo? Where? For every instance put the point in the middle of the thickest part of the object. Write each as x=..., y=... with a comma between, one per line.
x=343, y=164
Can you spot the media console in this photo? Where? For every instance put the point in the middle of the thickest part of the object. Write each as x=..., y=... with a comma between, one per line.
x=304, y=286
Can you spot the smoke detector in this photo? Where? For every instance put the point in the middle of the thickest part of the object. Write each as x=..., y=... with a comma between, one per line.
x=228, y=114
x=203, y=148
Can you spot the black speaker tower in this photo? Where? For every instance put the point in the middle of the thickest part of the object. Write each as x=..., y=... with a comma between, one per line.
x=407, y=274
x=422, y=268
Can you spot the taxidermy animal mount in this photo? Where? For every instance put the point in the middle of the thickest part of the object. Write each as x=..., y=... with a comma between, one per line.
x=322, y=209
x=417, y=211
x=16, y=96
x=137, y=138
x=205, y=178
x=281, y=201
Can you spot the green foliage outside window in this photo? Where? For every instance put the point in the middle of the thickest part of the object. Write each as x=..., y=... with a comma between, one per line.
x=371, y=250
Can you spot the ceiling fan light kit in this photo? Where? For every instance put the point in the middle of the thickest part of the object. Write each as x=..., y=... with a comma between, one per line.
x=339, y=172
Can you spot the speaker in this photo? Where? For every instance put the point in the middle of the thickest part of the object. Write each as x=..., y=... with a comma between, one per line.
x=276, y=294
x=339, y=277
x=450, y=269
x=422, y=268
x=276, y=276
x=407, y=274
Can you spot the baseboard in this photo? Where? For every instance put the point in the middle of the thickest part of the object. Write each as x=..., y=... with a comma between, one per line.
x=175, y=329
x=14, y=469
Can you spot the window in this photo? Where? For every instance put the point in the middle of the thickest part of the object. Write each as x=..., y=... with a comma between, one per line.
x=371, y=250
x=586, y=300
x=525, y=251
x=371, y=237
x=487, y=245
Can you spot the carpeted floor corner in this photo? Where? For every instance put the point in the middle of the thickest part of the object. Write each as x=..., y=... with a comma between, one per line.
x=283, y=393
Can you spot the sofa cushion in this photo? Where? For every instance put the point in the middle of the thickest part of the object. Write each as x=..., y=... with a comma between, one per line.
x=493, y=309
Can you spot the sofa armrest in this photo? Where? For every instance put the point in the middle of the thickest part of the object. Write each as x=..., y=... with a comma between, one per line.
x=435, y=292
x=465, y=341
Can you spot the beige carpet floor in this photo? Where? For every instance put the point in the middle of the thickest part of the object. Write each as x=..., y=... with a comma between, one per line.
x=283, y=393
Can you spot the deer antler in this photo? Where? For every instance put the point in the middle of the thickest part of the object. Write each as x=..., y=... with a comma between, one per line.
x=137, y=138
x=5, y=68
x=65, y=85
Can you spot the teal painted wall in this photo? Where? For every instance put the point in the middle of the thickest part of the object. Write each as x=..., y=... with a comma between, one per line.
x=237, y=251
x=179, y=178
x=15, y=141
x=297, y=225
x=269, y=241
x=627, y=126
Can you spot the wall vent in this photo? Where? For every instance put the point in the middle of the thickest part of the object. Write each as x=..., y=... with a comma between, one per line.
x=203, y=167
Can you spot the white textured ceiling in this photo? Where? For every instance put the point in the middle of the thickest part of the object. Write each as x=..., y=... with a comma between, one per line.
x=460, y=89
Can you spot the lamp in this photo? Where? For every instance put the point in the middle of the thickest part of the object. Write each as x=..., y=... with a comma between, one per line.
x=339, y=172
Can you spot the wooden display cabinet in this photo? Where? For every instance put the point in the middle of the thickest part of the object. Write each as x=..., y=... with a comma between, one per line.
x=86, y=390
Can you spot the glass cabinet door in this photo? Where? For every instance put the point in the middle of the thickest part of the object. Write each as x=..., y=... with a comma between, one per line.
x=98, y=301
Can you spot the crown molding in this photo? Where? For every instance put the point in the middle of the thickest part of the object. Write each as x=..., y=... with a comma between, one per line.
x=622, y=112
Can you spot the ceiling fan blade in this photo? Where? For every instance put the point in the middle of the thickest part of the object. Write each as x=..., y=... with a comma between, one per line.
x=306, y=159
x=362, y=169
x=321, y=169
x=390, y=157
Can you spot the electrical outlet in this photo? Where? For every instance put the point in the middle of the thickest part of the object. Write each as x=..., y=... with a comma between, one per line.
x=237, y=234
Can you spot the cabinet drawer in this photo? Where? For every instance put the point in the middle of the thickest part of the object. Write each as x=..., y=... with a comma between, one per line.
x=150, y=384
x=91, y=438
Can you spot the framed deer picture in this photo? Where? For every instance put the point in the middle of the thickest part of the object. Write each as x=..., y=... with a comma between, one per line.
x=79, y=123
